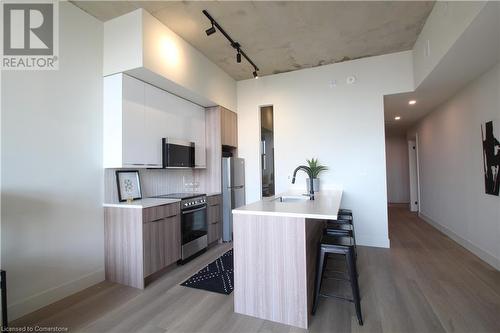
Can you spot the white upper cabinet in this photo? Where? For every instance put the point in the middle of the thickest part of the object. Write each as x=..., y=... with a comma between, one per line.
x=138, y=115
x=198, y=137
x=169, y=116
x=133, y=116
x=155, y=122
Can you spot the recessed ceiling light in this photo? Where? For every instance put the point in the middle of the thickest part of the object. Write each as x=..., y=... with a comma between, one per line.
x=412, y=102
x=397, y=118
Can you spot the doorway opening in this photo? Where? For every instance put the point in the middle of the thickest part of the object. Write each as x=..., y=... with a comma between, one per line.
x=397, y=166
x=267, y=150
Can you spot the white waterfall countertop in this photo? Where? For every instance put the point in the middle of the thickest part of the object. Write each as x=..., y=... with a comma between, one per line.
x=324, y=206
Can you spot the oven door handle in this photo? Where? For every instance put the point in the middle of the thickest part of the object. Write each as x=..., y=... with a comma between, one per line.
x=193, y=210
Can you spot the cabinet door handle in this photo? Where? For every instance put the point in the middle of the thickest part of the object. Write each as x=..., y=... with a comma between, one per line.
x=163, y=218
x=193, y=210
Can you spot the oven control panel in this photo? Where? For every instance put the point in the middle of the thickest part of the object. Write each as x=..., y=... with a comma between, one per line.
x=193, y=202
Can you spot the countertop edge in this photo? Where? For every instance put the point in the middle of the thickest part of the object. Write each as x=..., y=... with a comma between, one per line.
x=286, y=214
x=159, y=202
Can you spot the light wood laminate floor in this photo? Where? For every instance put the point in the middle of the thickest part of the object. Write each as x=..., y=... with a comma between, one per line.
x=425, y=283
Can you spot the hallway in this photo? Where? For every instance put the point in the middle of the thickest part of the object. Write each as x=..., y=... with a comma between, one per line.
x=424, y=283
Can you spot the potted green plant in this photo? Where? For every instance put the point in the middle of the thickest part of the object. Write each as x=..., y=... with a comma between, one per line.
x=316, y=169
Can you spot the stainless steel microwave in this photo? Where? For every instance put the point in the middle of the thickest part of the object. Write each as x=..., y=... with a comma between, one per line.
x=177, y=153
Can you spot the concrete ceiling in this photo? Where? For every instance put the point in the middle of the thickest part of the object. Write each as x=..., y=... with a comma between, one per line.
x=476, y=51
x=282, y=36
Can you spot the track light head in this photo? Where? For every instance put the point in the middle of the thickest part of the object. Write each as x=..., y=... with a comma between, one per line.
x=210, y=30
x=255, y=75
x=238, y=57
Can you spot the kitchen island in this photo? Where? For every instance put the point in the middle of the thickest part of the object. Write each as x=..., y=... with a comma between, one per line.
x=275, y=244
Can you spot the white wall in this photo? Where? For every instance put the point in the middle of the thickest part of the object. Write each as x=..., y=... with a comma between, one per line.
x=343, y=126
x=139, y=44
x=445, y=24
x=52, y=177
x=451, y=168
x=396, y=151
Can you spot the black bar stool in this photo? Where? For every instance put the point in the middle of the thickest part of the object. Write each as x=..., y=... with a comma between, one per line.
x=344, y=246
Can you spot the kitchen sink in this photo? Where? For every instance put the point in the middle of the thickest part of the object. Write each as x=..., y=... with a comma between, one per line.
x=292, y=198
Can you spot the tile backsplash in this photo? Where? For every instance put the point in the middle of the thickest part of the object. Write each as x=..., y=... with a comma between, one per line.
x=156, y=182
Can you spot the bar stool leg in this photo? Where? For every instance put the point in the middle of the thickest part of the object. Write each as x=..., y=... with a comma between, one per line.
x=320, y=269
x=3, y=285
x=354, y=239
x=351, y=267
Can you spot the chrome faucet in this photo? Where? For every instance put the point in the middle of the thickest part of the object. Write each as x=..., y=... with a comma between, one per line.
x=309, y=173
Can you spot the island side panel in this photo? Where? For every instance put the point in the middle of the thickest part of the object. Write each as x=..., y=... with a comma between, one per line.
x=270, y=275
x=314, y=231
x=123, y=254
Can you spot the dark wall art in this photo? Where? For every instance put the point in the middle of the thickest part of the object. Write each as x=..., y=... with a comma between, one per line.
x=491, y=156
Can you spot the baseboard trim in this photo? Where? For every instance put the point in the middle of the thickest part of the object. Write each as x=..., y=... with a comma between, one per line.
x=483, y=255
x=369, y=241
x=49, y=296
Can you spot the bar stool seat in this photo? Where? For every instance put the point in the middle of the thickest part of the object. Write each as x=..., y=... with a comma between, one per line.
x=342, y=223
x=342, y=229
x=343, y=211
x=344, y=246
x=345, y=218
x=340, y=226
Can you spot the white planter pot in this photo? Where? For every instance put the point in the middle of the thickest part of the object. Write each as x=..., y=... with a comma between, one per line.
x=315, y=184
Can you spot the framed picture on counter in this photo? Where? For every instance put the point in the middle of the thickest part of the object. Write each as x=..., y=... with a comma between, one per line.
x=129, y=185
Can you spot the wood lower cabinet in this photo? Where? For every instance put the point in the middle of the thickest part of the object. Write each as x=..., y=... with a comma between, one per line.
x=162, y=243
x=214, y=214
x=140, y=242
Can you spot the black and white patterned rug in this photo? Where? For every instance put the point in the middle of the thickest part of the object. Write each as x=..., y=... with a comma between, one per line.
x=216, y=276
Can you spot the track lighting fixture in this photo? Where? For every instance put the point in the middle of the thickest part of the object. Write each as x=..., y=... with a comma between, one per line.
x=233, y=44
x=211, y=30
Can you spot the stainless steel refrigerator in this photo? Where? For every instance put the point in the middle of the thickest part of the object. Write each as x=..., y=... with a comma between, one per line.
x=233, y=192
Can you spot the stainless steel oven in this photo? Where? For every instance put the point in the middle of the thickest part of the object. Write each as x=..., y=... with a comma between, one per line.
x=194, y=226
x=178, y=153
